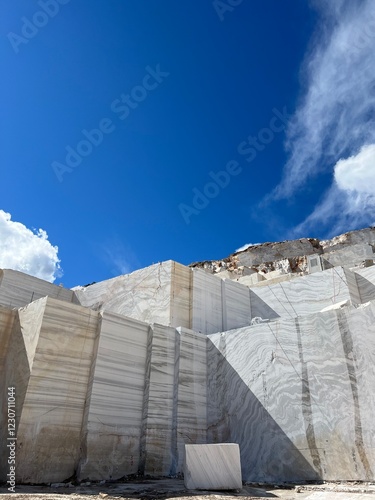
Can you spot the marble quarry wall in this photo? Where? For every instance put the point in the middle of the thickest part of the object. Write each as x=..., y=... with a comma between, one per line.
x=115, y=378
x=174, y=295
x=100, y=395
x=297, y=395
x=18, y=289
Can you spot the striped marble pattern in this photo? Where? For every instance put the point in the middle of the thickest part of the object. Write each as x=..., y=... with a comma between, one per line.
x=236, y=305
x=174, y=295
x=18, y=289
x=192, y=392
x=115, y=395
x=349, y=256
x=297, y=395
x=6, y=323
x=160, y=425
x=181, y=292
x=50, y=425
x=249, y=378
x=114, y=414
x=212, y=467
x=207, y=315
x=7, y=318
x=305, y=295
x=31, y=318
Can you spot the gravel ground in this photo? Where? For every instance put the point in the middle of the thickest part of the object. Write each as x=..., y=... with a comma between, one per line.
x=174, y=489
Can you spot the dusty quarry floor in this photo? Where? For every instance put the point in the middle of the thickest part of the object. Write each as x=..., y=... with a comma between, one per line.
x=147, y=489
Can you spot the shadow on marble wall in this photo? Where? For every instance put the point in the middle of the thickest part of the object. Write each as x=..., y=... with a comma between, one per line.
x=366, y=288
x=260, y=308
x=236, y=415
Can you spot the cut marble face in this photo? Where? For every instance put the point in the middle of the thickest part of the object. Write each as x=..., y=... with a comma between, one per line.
x=212, y=467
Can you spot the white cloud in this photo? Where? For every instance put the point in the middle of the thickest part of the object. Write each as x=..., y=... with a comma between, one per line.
x=24, y=250
x=336, y=116
x=117, y=255
x=357, y=173
x=350, y=202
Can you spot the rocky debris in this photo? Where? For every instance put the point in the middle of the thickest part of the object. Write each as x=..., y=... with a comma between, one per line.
x=271, y=260
x=167, y=488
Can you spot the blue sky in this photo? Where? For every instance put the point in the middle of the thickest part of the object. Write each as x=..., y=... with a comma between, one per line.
x=138, y=131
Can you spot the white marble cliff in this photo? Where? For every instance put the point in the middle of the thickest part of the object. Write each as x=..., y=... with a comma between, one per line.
x=117, y=377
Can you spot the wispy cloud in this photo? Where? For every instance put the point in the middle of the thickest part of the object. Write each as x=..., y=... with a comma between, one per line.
x=24, y=250
x=350, y=202
x=118, y=256
x=335, y=118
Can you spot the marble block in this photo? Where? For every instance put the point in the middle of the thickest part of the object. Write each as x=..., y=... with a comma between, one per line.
x=144, y=295
x=251, y=280
x=212, y=467
x=191, y=411
x=19, y=289
x=207, y=313
x=7, y=318
x=236, y=305
x=350, y=256
x=304, y=295
x=60, y=356
x=160, y=426
x=181, y=291
x=254, y=399
x=297, y=395
x=112, y=424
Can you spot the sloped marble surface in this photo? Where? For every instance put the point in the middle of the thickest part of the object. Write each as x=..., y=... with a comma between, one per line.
x=31, y=318
x=144, y=295
x=48, y=443
x=352, y=284
x=212, y=467
x=366, y=283
x=18, y=289
x=114, y=409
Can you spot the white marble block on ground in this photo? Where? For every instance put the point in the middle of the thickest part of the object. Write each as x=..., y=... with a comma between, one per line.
x=212, y=466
